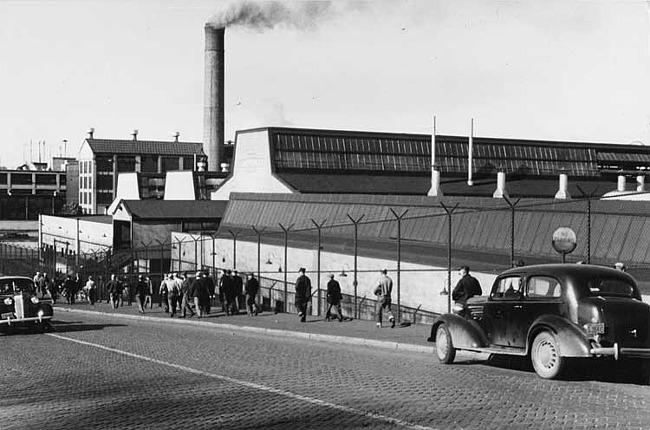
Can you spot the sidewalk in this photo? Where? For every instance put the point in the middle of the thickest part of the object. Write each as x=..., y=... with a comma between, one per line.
x=404, y=336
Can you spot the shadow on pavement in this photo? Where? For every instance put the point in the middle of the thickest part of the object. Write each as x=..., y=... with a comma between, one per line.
x=78, y=326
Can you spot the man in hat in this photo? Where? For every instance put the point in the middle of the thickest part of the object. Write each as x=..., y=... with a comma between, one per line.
x=383, y=291
x=333, y=298
x=468, y=286
x=303, y=294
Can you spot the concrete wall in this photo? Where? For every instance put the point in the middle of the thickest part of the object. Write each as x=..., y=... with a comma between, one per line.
x=420, y=285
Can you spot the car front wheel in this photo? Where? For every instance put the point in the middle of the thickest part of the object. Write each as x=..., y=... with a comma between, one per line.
x=545, y=356
x=444, y=347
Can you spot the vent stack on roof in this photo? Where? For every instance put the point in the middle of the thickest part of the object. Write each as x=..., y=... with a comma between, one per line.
x=563, y=191
x=640, y=184
x=135, y=134
x=500, y=192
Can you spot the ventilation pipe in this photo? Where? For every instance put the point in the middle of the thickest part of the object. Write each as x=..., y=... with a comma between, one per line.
x=135, y=134
x=470, y=155
x=501, y=186
x=563, y=191
x=435, y=189
x=640, y=184
x=176, y=136
x=91, y=134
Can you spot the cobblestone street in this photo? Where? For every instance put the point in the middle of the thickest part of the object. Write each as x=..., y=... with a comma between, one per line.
x=106, y=371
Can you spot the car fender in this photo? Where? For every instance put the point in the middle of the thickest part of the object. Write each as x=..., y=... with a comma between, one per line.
x=572, y=342
x=46, y=308
x=465, y=334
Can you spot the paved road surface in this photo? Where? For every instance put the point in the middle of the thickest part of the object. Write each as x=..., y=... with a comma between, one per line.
x=100, y=371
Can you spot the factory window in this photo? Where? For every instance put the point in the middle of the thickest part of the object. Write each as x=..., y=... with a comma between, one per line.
x=169, y=163
x=149, y=163
x=21, y=178
x=3, y=178
x=125, y=163
x=188, y=163
x=104, y=164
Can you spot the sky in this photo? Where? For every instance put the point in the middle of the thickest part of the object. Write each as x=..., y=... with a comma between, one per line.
x=569, y=70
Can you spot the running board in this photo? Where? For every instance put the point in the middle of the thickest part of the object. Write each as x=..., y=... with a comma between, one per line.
x=497, y=350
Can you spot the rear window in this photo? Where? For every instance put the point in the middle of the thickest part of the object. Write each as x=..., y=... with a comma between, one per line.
x=17, y=285
x=610, y=287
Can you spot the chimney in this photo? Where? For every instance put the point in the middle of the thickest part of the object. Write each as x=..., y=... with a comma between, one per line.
x=213, y=96
x=563, y=191
x=91, y=133
x=135, y=134
x=500, y=192
x=620, y=187
x=640, y=184
x=176, y=136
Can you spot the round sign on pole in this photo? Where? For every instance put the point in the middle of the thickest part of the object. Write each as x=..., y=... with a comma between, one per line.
x=564, y=241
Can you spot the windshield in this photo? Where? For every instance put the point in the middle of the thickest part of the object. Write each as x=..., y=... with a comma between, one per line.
x=603, y=286
x=17, y=285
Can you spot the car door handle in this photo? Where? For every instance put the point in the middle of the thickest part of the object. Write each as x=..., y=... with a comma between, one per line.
x=518, y=307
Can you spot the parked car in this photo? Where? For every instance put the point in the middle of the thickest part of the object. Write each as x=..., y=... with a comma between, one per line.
x=20, y=307
x=550, y=313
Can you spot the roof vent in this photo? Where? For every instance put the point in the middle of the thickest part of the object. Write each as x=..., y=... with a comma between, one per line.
x=135, y=134
x=640, y=184
x=563, y=191
x=176, y=136
x=620, y=186
x=91, y=133
x=500, y=192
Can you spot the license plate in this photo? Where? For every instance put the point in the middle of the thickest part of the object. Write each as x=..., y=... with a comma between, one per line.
x=6, y=315
x=595, y=328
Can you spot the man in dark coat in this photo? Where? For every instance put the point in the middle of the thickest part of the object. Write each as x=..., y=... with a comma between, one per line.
x=141, y=290
x=303, y=294
x=252, y=288
x=333, y=298
x=238, y=285
x=114, y=289
x=468, y=286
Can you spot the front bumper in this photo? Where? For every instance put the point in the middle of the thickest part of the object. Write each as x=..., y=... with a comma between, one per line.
x=618, y=352
x=11, y=321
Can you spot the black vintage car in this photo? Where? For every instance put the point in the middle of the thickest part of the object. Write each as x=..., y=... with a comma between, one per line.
x=19, y=306
x=550, y=313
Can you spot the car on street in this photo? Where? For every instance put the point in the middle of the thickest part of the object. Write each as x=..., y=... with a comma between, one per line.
x=20, y=306
x=552, y=313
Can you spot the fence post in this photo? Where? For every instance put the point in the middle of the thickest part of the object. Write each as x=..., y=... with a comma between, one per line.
x=399, y=257
x=512, y=228
x=449, y=212
x=355, y=282
x=286, y=245
x=319, y=227
x=234, y=248
x=588, y=197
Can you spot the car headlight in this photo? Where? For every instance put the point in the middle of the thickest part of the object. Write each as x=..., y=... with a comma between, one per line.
x=8, y=301
x=40, y=313
x=458, y=308
x=34, y=300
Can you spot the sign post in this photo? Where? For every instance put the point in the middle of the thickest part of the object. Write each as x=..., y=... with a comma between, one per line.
x=564, y=241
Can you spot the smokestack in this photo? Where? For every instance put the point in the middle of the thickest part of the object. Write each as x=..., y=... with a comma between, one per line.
x=213, y=98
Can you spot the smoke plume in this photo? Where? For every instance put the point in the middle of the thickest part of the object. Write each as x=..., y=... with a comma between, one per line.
x=267, y=15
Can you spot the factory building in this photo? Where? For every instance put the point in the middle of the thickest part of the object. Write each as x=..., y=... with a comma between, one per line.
x=101, y=161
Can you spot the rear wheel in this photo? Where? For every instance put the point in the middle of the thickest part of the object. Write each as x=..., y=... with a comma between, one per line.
x=545, y=356
x=444, y=347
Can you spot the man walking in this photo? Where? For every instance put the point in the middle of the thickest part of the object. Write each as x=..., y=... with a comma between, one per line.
x=303, y=294
x=468, y=286
x=252, y=288
x=141, y=289
x=91, y=290
x=114, y=289
x=333, y=298
x=383, y=292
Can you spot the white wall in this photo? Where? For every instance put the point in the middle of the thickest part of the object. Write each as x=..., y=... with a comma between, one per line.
x=251, y=167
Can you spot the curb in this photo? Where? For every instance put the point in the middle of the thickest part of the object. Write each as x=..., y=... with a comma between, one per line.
x=370, y=343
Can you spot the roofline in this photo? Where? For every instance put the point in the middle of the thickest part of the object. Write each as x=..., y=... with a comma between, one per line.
x=457, y=138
